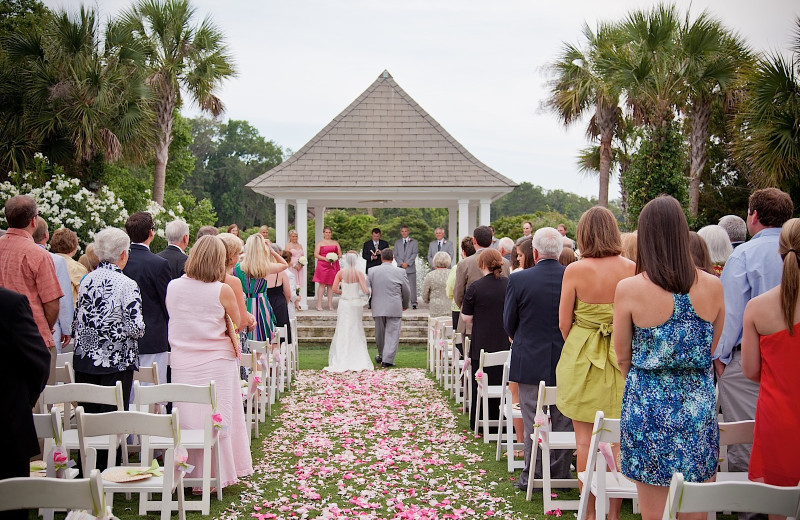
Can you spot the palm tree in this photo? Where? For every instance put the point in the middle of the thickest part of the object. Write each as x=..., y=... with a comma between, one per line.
x=580, y=86
x=768, y=122
x=713, y=58
x=180, y=56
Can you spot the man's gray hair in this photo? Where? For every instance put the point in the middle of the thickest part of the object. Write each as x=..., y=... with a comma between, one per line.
x=735, y=227
x=110, y=243
x=548, y=242
x=176, y=230
x=506, y=244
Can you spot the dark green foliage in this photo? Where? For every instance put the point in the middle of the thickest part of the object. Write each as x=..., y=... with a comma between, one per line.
x=528, y=198
x=659, y=166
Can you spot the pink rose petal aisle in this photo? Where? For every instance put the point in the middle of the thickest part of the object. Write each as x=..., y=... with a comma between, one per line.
x=382, y=444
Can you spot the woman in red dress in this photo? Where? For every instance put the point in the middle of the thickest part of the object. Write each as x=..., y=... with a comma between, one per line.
x=326, y=269
x=771, y=357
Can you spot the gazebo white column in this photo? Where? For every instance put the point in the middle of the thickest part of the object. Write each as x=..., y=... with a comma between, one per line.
x=486, y=210
x=281, y=222
x=452, y=231
x=463, y=218
x=473, y=216
x=301, y=221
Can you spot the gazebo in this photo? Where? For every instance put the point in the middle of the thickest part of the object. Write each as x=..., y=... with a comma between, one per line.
x=382, y=151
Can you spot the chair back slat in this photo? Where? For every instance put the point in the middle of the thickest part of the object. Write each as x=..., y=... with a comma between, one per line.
x=84, y=393
x=740, y=432
x=128, y=423
x=494, y=359
x=147, y=374
x=30, y=493
x=174, y=392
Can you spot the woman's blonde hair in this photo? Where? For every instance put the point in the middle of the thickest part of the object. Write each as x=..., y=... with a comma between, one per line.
x=789, y=249
x=257, y=259
x=629, y=245
x=206, y=260
x=233, y=246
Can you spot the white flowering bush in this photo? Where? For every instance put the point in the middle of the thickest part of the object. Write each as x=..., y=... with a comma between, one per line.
x=63, y=202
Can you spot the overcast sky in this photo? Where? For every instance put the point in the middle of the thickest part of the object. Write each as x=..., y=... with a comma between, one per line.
x=477, y=67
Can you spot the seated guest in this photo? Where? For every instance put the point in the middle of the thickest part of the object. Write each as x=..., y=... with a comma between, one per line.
x=108, y=321
x=771, y=357
x=530, y=318
x=434, y=288
x=719, y=246
x=483, y=309
x=202, y=351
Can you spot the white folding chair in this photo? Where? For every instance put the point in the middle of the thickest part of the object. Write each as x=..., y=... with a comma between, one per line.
x=547, y=441
x=740, y=432
x=200, y=439
x=251, y=395
x=67, y=394
x=49, y=429
x=295, y=344
x=507, y=434
x=64, y=357
x=144, y=425
x=265, y=370
x=76, y=494
x=430, y=354
x=467, y=380
x=487, y=391
x=64, y=374
x=749, y=497
x=281, y=356
x=596, y=479
x=458, y=368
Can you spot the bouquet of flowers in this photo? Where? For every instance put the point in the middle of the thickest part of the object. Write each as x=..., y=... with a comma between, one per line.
x=331, y=257
x=303, y=261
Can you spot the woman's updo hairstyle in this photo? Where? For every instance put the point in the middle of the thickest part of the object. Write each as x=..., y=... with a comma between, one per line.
x=491, y=260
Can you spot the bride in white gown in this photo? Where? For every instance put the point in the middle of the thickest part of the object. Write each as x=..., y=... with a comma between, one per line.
x=349, y=346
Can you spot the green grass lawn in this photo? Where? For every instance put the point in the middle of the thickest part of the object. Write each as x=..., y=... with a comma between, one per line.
x=315, y=356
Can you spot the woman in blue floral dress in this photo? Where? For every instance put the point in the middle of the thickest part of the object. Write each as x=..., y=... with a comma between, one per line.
x=667, y=322
x=259, y=262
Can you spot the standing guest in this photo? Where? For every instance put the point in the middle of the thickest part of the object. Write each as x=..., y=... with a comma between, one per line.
x=483, y=309
x=27, y=367
x=467, y=250
x=753, y=268
x=294, y=304
x=279, y=293
x=28, y=269
x=295, y=252
x=371, y=252
x=771, y=357
x=495, y=240
x=152, y=274
x=233, y=229
x=206, y=230
x=719, y=246
x=326, y=270
x=178, y=240
x=567, y=256
x=629, y=245
x=525, y=254
x=264, y=231
x=667, y=322
x=440, y=244
x=233, y=248
x=588, y=376
x=562, y=229
x=259, y=261
x=406, y=250
x=434, y=288
x=514, y=261
x=504, y=246
x=527, y=229
x=64, y=243
x=88, y=259
x=467, y=271
x=62, y=328
x=736, y=229
x=108, y=321
x=700, y=255
x=202, y=352
x=530, y=318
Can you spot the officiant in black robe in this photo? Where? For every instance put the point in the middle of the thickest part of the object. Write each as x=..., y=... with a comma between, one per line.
x=372, y=249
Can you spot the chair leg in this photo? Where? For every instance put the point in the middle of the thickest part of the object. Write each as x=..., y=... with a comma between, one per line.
x=477, y=415
x=218, y=478
x=206, y=498
x=485, y=418
x=531, y=475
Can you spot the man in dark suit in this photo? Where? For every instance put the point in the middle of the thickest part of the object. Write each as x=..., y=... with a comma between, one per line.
x=371, y=251
x=530, y=318
x=152, y=274
x=23, y=375
x=178, y=238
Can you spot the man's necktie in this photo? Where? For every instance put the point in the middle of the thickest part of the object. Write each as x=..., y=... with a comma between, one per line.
x=439, y=247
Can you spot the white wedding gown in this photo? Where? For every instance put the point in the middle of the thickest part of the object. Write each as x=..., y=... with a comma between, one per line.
x=349, y=346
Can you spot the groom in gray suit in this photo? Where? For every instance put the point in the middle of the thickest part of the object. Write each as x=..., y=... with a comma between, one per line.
x=390, y=296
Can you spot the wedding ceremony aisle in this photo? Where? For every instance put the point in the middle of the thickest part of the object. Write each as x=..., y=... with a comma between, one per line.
x=383, y=444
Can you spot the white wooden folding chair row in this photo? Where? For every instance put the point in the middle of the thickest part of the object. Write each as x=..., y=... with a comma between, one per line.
x=465, y=373
x=505, y=431
x=486, y=392
x=745, y=496
x=264, y=367
x=458, y=368
x=251, y=394
x=596, y=479
x=439, y=351
x=64, y=374
x=548, y=440
x=453, y=362
x=49, y=428
x=430, y=354
x=147, y=397
x=71, y=393
x=114, y=424
x=295, y=345
x=84, y=494
x=281, y=356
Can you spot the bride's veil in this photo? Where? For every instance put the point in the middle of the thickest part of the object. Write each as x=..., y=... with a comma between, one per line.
x=350, y=268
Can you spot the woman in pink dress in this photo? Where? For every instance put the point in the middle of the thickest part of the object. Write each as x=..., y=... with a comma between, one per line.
x=202, y=352
x=296, y=250
x=326, y=270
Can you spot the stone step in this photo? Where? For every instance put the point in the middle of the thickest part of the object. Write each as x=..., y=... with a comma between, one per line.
x=319, y=326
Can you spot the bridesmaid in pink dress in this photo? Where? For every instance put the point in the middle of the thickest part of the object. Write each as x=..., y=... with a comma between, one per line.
x=326, y=271
x=202, y=352
x=296, y=250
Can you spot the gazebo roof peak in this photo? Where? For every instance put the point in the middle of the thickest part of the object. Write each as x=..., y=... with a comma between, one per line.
x=382, y=140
